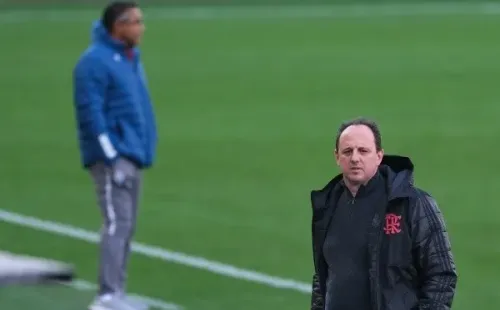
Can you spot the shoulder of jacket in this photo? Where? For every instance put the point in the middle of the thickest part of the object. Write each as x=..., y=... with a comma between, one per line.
x=424, y=196
x=97, y=52
x=93, y=58
x=317, y=198
x=423, y=203
x=320, y=197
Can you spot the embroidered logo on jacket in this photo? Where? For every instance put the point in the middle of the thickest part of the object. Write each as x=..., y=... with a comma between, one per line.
x=392, y=224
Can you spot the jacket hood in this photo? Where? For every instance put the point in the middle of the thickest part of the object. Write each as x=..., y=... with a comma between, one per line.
x=101, y=35
x=396, y=170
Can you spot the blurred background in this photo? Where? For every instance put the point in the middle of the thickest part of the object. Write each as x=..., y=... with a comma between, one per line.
x=248, y=96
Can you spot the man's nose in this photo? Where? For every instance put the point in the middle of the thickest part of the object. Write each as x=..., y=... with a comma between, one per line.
x=355, y=156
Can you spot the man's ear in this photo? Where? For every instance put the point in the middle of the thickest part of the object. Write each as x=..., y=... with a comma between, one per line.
x=336, y=155
x=380, y=155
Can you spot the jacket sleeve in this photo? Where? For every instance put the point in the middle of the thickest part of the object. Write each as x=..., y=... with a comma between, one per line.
x=90, y=84
x=317, y=299
x=437, y=271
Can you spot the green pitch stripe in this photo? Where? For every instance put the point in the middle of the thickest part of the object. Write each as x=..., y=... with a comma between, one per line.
x=239, y=12
x=157, y=253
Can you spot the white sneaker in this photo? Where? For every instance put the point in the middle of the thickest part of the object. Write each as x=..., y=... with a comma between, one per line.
x=112, y=302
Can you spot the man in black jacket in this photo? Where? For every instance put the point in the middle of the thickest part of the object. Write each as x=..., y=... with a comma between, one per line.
x=379, y=243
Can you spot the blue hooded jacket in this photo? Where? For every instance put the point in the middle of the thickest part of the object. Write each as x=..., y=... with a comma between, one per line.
x=113, y=108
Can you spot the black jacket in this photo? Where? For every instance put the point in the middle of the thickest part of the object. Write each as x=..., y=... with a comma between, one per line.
x=411, y=264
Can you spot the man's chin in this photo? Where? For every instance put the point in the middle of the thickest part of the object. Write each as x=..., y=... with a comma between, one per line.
x=133, y=43
x=356, y=178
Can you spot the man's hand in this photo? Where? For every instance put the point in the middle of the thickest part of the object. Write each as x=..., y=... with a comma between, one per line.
x=123, y=172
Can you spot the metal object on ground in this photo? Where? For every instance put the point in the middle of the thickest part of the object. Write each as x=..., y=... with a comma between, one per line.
x=22, y=270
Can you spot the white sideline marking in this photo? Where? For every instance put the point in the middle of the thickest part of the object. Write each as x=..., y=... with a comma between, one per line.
x=258, y=12
x=158, y=253
x=83, y=285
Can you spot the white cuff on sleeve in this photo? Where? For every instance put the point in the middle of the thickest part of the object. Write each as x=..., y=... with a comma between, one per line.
x=107, y=146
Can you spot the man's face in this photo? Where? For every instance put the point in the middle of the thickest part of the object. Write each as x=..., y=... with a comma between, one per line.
x=357, y=154
x=130, y=27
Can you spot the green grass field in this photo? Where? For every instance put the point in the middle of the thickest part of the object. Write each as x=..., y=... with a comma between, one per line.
x=248, y=110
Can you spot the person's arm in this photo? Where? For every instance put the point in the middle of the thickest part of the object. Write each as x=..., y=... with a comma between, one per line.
x=317, y=299
x=435, y=264
x=90, y=84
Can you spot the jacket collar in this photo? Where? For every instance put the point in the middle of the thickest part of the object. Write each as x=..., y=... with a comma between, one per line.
x=100, y=34
x=397, y=172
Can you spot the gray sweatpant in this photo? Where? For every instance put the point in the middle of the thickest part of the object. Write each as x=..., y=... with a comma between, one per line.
x=118, y=191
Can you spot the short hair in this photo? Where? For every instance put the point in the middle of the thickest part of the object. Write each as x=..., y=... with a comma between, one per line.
x=365, y=122
x=114, y=11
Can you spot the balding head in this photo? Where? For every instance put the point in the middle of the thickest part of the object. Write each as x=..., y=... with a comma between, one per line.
x=358, y=153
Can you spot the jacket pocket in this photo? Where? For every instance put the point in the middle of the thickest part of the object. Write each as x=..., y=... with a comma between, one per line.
x=400, y=297
x=406, y=274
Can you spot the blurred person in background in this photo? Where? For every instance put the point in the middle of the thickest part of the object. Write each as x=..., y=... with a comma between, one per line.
x=379, y=242
x=117, y=138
